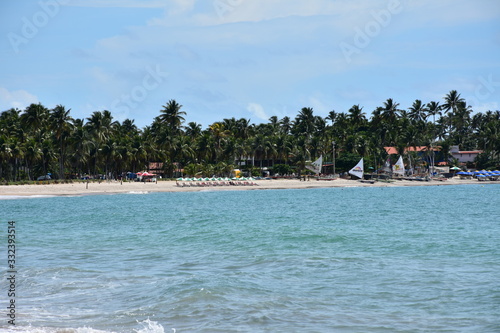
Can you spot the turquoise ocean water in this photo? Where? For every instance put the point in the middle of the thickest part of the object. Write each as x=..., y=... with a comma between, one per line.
x=402, y=259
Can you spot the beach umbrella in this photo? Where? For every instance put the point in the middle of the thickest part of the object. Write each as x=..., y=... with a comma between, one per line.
x=462, y=173
x=455, y=168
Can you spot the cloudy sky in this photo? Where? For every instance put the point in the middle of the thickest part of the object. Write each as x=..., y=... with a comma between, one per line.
x=246, y=58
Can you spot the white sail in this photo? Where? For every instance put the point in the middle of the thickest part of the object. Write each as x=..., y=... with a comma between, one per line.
x=399, y=167
x=387, y=165
x=358, y=169
x=316, y=165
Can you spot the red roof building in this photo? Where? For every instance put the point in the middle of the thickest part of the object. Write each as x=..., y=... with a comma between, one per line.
x=394, y=151
x=464, y=156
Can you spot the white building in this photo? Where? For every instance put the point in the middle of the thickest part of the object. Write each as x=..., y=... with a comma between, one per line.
x=464, y=156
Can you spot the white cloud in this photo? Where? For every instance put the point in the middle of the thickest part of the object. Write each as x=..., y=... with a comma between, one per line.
x=484, y=107
x=345, y=14
x=257, y=110
x=261, y=10
x=117, y=3
x=182, y=6
x=450, y=12
x=16, y=99
x=319, y=107
x=348, y=14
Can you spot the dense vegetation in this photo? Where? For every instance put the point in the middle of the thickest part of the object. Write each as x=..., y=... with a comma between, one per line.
x=38, y=140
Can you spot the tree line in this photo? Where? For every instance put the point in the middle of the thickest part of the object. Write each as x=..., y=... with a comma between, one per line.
x=39, y=140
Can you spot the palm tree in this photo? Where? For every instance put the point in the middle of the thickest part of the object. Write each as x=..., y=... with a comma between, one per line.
x=61, y=124
x=38, y=139
x=35, y=118
x=219, y=134
x=99, y=126
x=452, y=101
x=128, y=127
x=417, y=112
x=285, y=125
x=10, y=129
x=304, y=123
x=79, y=145
x=193, y=130
x=192, y=169
x=244, y=128
x=332, y=116
x=461, y=122
x=434, y=109
x=274, y=125
x=356, y=117
x=172, y=116
x=390, y=110
x=283, y=144
x=32, y=155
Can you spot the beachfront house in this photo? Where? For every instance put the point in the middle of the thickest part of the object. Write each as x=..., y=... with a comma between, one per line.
x=467, y=156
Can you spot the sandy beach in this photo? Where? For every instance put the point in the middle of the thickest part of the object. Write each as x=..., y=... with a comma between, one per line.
x=76, y=189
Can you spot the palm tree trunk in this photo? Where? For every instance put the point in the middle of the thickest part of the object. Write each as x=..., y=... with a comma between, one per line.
x=61, y=159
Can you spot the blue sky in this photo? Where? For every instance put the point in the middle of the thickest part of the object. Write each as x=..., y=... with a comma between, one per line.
x=246, y=58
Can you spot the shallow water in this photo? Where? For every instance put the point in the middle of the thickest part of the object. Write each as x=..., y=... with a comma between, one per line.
x=401, y=259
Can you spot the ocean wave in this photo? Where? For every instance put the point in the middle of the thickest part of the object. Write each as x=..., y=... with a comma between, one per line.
x=15, y=197
x=146, y=326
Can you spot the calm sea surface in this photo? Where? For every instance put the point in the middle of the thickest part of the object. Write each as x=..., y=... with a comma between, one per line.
x=405, y=259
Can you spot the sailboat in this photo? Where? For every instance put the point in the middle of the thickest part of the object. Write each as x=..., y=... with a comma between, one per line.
x=358, y=169
x=387, y=165
x=387, y=169
x=316, y=165
x=399, y=167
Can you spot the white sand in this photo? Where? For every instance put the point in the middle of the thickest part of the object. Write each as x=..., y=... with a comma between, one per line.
x=170, y=186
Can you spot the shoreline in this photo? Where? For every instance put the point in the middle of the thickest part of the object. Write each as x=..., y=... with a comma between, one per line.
x=115, y=187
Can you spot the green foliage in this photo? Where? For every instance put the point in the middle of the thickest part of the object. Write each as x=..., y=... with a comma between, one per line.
x=485, y=161
x=251, y=171
x=282, y=169
x=38, y=140
x=193, y=169
x=346, y=161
